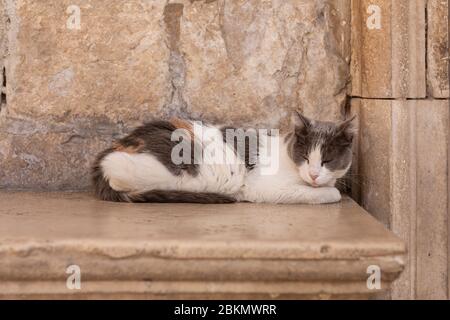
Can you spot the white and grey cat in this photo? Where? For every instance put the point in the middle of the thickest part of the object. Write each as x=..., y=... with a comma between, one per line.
x=301, y=166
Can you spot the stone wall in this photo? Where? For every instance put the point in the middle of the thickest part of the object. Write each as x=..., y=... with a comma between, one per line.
x=80, y=73
x=400, y=72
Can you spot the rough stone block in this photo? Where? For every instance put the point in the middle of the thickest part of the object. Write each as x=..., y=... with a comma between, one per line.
x=248, y=60
x=52, y=157
x=404, y=183
x=114, y=65
x=388, y=49
x=438, y=49
x=191, y=251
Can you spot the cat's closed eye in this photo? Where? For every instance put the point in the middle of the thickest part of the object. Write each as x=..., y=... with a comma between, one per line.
x=326, y=161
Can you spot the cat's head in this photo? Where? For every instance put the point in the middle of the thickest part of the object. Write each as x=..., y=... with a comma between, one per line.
x=322, y=150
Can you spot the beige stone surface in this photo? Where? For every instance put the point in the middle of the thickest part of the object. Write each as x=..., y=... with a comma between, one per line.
x=432, y=199
x=403, y=189
x=438, y=49
x=190, y=290
x=114, y=66
x=240, y=250
x=373, y=160
x=254, y=60
x=70, y=90
x=388, y=61
x=371, y=49
x=404, y=183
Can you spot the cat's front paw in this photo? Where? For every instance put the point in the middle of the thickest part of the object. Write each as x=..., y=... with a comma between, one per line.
x=329, y=195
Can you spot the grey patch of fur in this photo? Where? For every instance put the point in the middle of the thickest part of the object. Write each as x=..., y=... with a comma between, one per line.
x=245, y=143
x=334, y=139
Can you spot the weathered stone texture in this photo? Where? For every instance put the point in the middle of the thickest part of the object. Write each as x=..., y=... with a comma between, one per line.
x=171, y=251
x=388, y=49
x=404, y=183
x=3, y=42
x=114, y=66
x=438, y=49
x=253, y=60
x=231, y=61
x=432, y=200
x=400, y=51
x=373, y=164
x=53, y=156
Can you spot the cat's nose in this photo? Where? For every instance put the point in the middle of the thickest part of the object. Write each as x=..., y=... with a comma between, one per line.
x=313, y=176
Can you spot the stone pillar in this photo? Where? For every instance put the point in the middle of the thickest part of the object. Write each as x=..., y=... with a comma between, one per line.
x=438, y=51
x=400, y=89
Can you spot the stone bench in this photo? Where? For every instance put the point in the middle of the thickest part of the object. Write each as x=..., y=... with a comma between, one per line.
x=190, y=251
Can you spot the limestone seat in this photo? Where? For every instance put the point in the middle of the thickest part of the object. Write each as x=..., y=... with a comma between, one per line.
x=190, y=251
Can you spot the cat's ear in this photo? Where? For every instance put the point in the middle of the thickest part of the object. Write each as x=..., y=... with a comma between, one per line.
x=346, y=130
x=301, y=123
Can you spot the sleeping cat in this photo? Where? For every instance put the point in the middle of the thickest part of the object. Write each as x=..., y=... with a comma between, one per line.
x=186, y=161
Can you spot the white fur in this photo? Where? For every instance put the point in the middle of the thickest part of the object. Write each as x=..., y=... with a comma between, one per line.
x=288, y=183
x=136, y=172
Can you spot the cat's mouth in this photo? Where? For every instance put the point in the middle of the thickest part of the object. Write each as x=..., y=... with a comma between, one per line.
x=314, y=184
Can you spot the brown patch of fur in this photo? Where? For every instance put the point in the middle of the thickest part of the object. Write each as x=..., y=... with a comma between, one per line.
x=183, y=124
x=131, y=149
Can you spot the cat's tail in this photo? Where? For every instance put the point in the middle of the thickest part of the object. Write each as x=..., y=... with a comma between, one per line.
x=162, y=196
x=104, y=191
